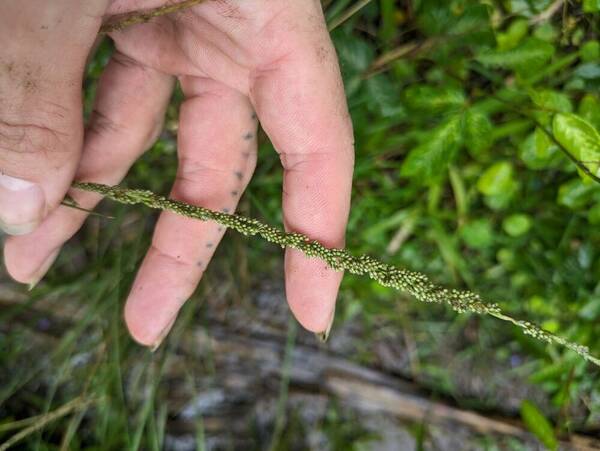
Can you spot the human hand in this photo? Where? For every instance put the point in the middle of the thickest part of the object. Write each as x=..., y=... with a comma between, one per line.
x=232, y=59
x=42, y=58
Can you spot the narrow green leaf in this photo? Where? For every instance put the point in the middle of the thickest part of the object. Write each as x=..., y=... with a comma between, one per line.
x=531, y=53
x=538, y=425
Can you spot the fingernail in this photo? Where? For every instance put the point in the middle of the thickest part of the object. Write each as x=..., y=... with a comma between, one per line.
x=43, y=269
x=163, y=334
x=22, y=205
x=324, y=336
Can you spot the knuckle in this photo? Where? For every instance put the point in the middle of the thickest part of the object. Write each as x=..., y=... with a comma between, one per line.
x=22, y=139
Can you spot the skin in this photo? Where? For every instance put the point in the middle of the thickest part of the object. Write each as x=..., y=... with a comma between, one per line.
x=238, y=62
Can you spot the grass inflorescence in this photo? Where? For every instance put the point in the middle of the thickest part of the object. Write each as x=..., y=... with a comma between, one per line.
x=416, y=284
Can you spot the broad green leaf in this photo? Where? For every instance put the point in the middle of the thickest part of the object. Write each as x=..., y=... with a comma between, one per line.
x=477, y=131
x=594, y=214
x=546, y=32
x=532, y=53
x=589, y=109
x=590, y=51
x=575, y=194
x=497, y=179
x=588, y=71
x=538, y=151
x=430, y=159
x=477, y=234
x=538, y=424
x=551, y=100
x=579, y=138
x=516, y=225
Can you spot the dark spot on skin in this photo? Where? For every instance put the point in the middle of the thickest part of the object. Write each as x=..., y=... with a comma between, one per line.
x=44, y=27
x=239, y=175
x=245, y=154
x=322, y=54
x=209, y=245
x=248, y=136
x=234, y=193
x=29, y=85
x=254, y=116
x=220, y=229
x=178, y=257
x=225, y=210
x=199, y=264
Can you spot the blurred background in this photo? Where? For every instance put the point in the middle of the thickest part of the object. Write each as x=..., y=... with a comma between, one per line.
x=459, y=175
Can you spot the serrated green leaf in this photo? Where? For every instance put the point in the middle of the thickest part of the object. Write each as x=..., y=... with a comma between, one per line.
x=355, y=54
x=578, y=137
x=532, y=53
x=430, y=159
x=477, y=131
x=383, y=96
x=433, y=98
x=538, y=425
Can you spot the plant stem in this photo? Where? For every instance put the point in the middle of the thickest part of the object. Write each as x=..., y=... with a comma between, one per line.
x=120, y=21
x=416, y=284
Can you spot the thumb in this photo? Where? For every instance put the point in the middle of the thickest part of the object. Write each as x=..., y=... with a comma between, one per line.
x=42, y=60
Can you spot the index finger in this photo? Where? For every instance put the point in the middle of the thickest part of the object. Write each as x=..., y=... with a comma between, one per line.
x=299, y=97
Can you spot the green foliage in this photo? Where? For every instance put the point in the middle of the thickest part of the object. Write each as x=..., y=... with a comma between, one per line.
x=472, y=121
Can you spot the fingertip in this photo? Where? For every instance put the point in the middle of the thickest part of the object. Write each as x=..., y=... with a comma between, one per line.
x=22, y=267
x=311, y=290
x=151, y=309
x=140, y=329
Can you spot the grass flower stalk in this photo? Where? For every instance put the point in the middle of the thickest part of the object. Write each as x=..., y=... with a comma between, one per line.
x=416, y=284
